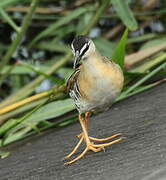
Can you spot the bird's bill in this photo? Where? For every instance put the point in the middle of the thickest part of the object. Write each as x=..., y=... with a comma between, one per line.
x=77, y=59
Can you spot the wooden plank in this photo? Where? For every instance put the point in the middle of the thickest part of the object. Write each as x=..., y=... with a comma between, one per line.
x=142, y=119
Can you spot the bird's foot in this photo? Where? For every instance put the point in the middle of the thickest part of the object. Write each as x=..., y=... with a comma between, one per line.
x=90, y=146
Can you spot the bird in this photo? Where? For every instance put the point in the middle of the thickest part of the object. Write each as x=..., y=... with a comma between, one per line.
x=94, y=85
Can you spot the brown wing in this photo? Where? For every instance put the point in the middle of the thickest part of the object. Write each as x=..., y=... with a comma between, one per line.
x=105, y=59
x=72, y=80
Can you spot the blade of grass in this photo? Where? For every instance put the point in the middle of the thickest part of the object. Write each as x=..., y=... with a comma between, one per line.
x=32, y=98
x=51, y=110
x=23, y=70
x=123, y=10
x=52, y=46
x=16, y=137
x=139, y=90
x=149, y=64
x=153, y=42
x=141, y=38
x=4, y=154
x=133, y=87
x=21, y=110
x=138, y=74
x=22, y=31
x=5, y=75
x=6, y=3
x=100, y=9
x=36, y=70
x=119, y=53
x=141, y=55
x=9, y=20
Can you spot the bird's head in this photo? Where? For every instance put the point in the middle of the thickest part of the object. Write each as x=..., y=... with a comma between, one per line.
x=82, y=47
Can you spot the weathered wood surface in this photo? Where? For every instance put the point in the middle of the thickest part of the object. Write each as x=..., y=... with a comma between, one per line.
x=142, y=119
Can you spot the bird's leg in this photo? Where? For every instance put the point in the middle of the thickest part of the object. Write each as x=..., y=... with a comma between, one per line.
x=81, y=139
x=84, y=135
x=87, y=117
x=89, y=144
x=86, y=121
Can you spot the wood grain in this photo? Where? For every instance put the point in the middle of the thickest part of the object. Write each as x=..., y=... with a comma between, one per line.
x=142, y=119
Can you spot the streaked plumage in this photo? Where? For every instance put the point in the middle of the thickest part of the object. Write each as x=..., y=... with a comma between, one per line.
x=99, y=90
x=93, y=86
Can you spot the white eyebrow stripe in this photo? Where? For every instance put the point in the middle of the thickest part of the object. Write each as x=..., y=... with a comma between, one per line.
x=83, y=48
x=72, y=47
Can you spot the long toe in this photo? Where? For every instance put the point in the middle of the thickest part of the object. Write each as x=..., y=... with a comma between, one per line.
x=78, y=157
x=103, y=145
x=104, y=139
x=75, y=149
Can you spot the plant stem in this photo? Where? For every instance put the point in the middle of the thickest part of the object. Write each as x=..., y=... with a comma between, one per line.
x=149, y=64
x=25, y=101
x=144, y=79
x=31, y=99
x=20, y=34
x=95, y=18
x=121, y=97
x=9, y=20
x=22, y=109
x=36, y=70
x=141, y=55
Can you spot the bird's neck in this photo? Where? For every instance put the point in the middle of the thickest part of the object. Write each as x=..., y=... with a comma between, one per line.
x=93, y=59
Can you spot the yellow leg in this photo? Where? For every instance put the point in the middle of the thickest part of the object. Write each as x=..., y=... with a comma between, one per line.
x=90, y=146
x=81, y=136
x=86, y=123
x=87, y=117
x=86, y=139
x=80, y=141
